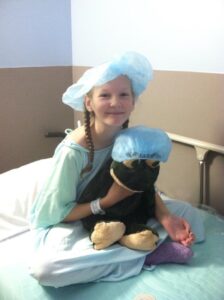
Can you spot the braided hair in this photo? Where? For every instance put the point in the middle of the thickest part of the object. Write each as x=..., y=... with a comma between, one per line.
x=89, y=141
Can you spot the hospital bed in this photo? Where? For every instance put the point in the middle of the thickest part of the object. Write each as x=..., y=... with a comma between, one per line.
x=201, y=278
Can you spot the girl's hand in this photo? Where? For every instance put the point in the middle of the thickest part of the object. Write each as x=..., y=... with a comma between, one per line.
x=179, y=230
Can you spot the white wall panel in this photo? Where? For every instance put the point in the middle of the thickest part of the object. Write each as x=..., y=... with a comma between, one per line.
x=184, y=35
x=35, y=33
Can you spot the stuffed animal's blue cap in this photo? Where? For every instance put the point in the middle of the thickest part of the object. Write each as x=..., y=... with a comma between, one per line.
x=141, y=142
x=131, y=64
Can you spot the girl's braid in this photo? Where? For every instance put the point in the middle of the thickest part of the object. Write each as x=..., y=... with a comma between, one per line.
x=89, y=141
x=125, y=125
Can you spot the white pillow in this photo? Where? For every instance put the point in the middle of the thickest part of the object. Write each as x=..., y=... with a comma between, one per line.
x=18, y=188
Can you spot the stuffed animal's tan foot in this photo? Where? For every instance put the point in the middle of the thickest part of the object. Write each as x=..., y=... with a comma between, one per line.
x=106, y=234
x=144, y=240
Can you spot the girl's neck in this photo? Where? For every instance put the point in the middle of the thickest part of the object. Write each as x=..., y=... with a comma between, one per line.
x=103, y=136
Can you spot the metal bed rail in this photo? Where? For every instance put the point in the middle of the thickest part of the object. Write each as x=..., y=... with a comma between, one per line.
x=202, y=148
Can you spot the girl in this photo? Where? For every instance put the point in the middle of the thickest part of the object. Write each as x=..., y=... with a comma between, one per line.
x=63, y=253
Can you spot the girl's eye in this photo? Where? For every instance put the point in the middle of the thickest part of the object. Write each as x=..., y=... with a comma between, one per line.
x=124, y=94
x=104, y=95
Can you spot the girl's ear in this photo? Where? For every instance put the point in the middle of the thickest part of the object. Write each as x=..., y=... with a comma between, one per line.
x=87, y=102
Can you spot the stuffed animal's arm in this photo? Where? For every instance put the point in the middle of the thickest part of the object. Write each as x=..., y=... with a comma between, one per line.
x=115, y=194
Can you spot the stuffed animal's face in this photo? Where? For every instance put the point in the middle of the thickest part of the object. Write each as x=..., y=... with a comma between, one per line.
x=136, y=175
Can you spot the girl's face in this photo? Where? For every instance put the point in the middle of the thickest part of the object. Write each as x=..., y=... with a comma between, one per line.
x=112, y=102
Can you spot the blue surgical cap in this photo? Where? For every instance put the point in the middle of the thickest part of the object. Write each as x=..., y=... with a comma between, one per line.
x=131, y=64
x=141, y=142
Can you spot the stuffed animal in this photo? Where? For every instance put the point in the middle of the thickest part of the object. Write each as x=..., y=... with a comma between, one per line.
x=136, y=155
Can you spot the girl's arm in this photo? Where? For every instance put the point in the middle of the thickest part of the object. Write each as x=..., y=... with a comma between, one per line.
x=115, y=194
x=161, y=211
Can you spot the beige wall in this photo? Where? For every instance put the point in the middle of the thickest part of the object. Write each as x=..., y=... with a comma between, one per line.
x=30, y=106
x=192, y=105
x=189, y=104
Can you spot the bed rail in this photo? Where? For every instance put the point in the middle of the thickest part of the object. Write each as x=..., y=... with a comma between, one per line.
x=202, y=148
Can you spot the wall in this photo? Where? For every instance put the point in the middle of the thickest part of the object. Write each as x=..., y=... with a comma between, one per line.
x=174, y=35
x=35, y=33
x=35, y=69
x=183, y=41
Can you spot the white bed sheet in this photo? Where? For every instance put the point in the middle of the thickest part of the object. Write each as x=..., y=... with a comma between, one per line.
x=202, y=278
x=18, y=189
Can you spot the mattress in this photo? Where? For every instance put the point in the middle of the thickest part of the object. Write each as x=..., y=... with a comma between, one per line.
x=202, y=278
